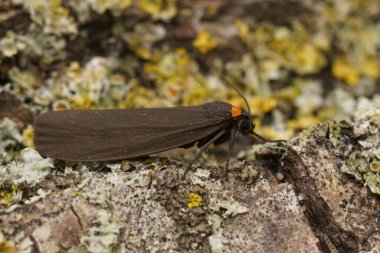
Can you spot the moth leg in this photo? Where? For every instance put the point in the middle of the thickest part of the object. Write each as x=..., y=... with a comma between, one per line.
x=203, y=148
x=230, y=146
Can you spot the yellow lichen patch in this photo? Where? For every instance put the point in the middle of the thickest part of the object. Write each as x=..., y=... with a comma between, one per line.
x=375, y=166
x=82, y=102
x=143, y=53
x=169, y=65
x=197, y=95
x=159, y=9
x=371, y=68
x=303, y=122
x=262, y=105
x=242, y=28
x=309, y=59
x=6, y=198
x=27, y=135
x=139, y=97
x=100, y=6
x=211, y=10
x=6, y=246
x=341, y=69
x=194, y=200
x=205, y=42
x=271, y=134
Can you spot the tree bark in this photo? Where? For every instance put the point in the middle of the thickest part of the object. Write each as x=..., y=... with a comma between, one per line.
x=144, y=206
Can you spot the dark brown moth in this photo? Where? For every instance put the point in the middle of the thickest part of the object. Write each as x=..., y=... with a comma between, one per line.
x=104, y=135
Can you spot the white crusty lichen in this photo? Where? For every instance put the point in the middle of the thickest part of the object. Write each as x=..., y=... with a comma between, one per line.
x=216, y=240
x=227, y=203
x=30, y=169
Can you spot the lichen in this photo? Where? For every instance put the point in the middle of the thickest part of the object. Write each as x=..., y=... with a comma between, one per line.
x=364, y=163
x=100, y=6
x=52, y=16
x=6, y=246
x=10, y=137
x=159, y=9
x=194, y=200
x=279, y=68
x=40, y=195
x=27, y=135
x=11, y=44
x=102, y=236
x=11, y=197
x=31, y=169
x=205, y=42
x=98, y=196
x=216, y=240
x=219, y=200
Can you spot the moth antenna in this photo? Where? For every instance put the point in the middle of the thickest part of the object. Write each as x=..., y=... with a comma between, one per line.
x=264, y=139
x=238, y=92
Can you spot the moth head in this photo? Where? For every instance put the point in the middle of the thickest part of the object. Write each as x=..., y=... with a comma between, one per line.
x=245, y=125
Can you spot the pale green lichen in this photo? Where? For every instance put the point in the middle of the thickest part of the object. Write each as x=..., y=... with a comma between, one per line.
x=216, y=240
x=30, y=169
x=103, y=235
x=219, y=200
x=224, y=202
x=48, y=48
x=10, y=137
x=11, y=44
x=143, y=38
x=98, y=196
x=363, y=164
x=52, y=16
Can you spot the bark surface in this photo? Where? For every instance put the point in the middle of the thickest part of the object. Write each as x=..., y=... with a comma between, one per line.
x=144, y=206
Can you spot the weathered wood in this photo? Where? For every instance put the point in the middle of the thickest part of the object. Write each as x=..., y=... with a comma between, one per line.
x=143, y=206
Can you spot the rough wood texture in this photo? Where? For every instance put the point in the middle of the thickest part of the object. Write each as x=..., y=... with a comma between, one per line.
x=343, y=215
x=144, y=206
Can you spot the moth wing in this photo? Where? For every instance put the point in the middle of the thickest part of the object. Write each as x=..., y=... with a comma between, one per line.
x=99, y=135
